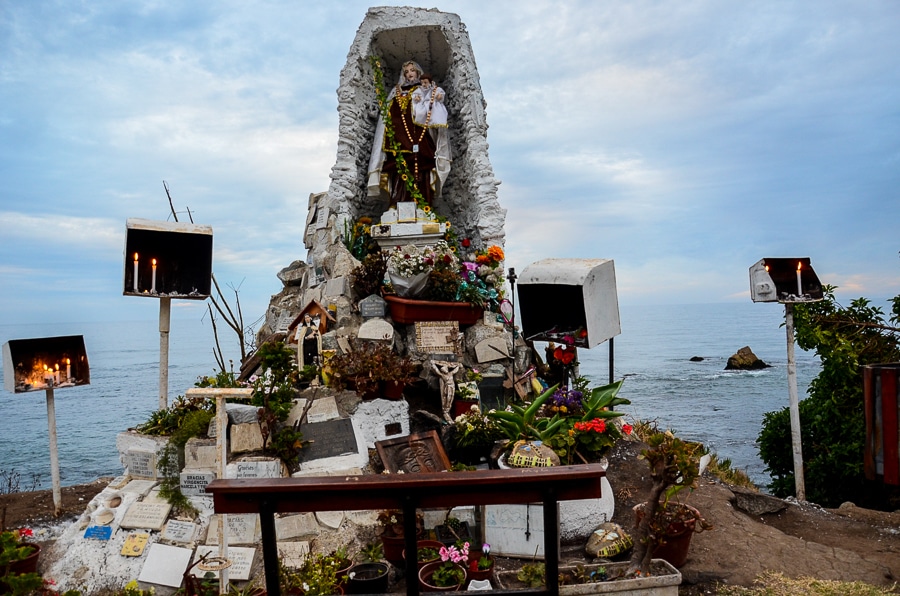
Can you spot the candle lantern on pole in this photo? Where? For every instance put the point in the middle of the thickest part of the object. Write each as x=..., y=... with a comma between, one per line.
x=788, y=281
x=46, y=364
x=167, y=260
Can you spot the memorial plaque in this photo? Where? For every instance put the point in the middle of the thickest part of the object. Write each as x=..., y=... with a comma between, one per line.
x=372, y=306
x=241, y=558
x=194, y=483
x=140, y=487
x=331, y=438
x=490, y=349
x=243, y=528
x=296, y=526
x=98, y=532
x=376, y=330
x=266, y=468
x=146, y=516
x=180, y=531
x=421, y=452
x=406, y=211
x=165, y=565
x=293, y=554
x=140, y=463
x=134, y=544
x=323, y=409
x=322, y=214
x=437, y=337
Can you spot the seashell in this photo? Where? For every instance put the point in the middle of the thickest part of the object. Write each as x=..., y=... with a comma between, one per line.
x=103, y=516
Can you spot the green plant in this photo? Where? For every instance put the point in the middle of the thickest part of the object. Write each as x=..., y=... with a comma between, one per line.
x=426, y=553
x=674, y=466
x=317, y=576
x=358, y=238
x=771, y=583
x=521, y=422
x=372, y=552
x=723, y=470
x=22, y=584
x=368, y=277
x=475, y=429
x=532, y=575
x=286, y=443
x=831, y=417
x=12, y=546
x=368, y=364
x=449, y=573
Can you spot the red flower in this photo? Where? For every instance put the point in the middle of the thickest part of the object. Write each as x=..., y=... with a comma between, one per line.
x=466, y=243
x=627, y=428
x=564, y=356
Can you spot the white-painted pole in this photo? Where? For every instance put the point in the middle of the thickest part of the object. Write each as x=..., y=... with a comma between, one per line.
x=222, y=456
x=165, y=315
x=54, y=451
x=799, y=484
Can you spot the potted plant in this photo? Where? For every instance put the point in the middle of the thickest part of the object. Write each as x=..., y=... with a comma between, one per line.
x=17, y=555
x=317, y=576
x=449, y=573
x=370, y=574
x=427, y=551
x=662, y=519
x=481, y=564
x=392, y=535
x=368, y=366
x=342, y=563
x=475, y=435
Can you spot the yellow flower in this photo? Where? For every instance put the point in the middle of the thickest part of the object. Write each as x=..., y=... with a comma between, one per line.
x=427, y=208
x=404, y=176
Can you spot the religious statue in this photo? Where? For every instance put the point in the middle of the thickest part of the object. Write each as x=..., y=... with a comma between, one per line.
x=445, y=371
x=418, y=124
x=309, y=341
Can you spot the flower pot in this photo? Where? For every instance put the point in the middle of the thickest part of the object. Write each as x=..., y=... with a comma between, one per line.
x=394, y=544
x=393, y=389
x=448, y=536
x=426, y=573
x=407, y=311
x=437, y=546
x=368, y=578
x=473, y=572
x=678, y=535
x=29, y=563
x=461, y=406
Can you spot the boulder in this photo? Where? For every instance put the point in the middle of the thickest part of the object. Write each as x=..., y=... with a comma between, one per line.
x=745, y=359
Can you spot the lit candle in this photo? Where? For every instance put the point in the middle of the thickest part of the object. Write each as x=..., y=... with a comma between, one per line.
x=153, y=283
x=799, y=286
x=56, y=375
x=135, y=273
x=69, y=367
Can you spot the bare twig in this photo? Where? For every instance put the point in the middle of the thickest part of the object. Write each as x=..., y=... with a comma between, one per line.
x=217, y=352
x=171, y=206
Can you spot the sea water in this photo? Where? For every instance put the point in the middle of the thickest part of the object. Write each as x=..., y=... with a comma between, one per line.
x=699, y=400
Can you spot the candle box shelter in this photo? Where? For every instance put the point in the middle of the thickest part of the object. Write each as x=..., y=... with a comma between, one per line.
x=782, y=280
x=167, y=259
x=39, y=363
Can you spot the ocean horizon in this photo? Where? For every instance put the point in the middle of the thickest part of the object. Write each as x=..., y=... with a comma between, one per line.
x=699, y=400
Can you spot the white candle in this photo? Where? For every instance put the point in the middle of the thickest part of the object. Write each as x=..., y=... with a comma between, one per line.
x=56, y=375
x=135, y=273
x=153, y=283
x=69, y=365
x=799, y=285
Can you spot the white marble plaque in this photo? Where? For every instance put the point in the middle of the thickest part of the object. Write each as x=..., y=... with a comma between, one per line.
x=141, y=463
x=180, y=531
x=376, y=329
x=322, y=214
x=193, y=482
x=301, y=525
x=146, y=516
x=515, y=529
x=243, y=528
x=241, y=558
x=492, y=348
x=165, y=565
x=330, y=519
x=266, y=468
x=406, y=211
x=200, y=454
x=296, y=413
x=139, y=487
x=293, y=554
x=323, y=409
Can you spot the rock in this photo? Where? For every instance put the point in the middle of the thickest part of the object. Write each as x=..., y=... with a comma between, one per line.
x=294, y=274
x=745, y=359
x=696, y=358
x=607, y=541
x=755, y=503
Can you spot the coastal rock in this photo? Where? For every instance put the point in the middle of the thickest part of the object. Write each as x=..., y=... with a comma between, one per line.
x=294, y=274
x=696, y=358
x=745, y=359
x=756, y=503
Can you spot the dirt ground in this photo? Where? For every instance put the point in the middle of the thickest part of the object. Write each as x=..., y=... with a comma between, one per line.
x=849, y=544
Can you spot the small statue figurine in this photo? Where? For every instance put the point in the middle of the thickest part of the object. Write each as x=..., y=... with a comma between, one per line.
x=445, y=371
x=309, y=341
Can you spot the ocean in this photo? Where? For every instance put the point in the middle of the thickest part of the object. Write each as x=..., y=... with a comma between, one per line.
x=699, y=400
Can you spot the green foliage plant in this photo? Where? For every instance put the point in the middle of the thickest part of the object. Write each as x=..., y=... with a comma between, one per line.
x=831, y=417
x=532, y=575
x=522, y=422
x=317, y=576
x=372, y=552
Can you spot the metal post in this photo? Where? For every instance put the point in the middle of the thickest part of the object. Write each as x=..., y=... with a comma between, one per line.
x=54, y=451
x=512, y=325
x=270, y=546
x=165, y=313
x=612, y=359
x=551, y=542
x=799, y=484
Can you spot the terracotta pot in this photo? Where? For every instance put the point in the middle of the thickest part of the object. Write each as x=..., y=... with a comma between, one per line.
x=368, y=578
x=394, y=544
x=393, y=389
x=29, y=563
x=437, y=546
x=406, y=311
x=678, y=537
x=428, y=570
x=473, y=573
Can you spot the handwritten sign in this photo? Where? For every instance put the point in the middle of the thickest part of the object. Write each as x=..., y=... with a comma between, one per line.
x=437, y=337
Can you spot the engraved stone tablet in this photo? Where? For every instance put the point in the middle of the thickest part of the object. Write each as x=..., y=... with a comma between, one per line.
x=323, y=409
x=328, y=439
x=436, y=337
x=146, y=516
x=337, y=286
x=140, y=487
x=165, y=565
x=372, y=306
x=194, y=482
x=406, y=211
x=140, y=463
x=293, y=554
x=255, y=468
x=330, y=519
x=322, y=214
x=200, y=454
x=243, y=528
x=376, y=329
x=296, y=526
x=241, y=558
x=180, y=531
x=246, y=437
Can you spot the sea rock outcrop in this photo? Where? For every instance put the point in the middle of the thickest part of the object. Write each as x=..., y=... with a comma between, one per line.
x=745, y=359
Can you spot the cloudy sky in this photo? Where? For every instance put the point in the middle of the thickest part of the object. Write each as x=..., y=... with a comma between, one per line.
x=685, y=140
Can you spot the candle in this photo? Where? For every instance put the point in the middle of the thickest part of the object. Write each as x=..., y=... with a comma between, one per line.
x=135, y=273
x=153, y=282
x=56, y=375
x=799, y=286
x=69, y=367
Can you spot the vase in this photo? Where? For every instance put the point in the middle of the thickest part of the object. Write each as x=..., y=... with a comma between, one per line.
x=29, y=563
x=393, y=389
x=407, y=311
x=368, y=578
x=428, y=570
x=437, y=546
x=678, y=535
